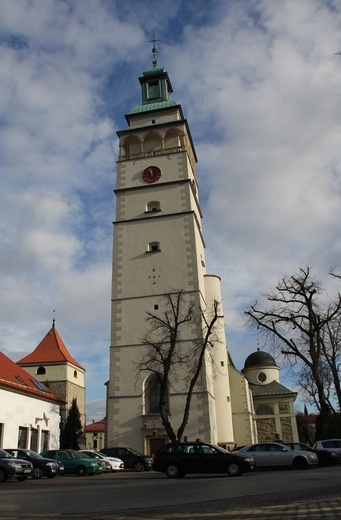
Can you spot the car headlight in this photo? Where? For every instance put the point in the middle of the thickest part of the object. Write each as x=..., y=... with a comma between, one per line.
x=313, y=456
x=52, y=465
x=249, y=459
x=15, y=465
x=94, y=464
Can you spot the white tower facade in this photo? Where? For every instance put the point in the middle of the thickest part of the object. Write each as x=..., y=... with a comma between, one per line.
x=159, y=249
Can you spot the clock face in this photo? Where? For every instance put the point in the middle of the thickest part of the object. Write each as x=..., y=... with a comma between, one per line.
x=151, y=174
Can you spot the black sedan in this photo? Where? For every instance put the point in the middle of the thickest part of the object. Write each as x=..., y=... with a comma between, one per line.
x=178, y=458
x=41, y=466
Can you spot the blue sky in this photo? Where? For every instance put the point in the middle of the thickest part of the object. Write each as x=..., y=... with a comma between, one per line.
x=259, y=82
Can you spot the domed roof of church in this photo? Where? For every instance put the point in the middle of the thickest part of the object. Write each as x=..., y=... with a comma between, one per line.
x=259, y=359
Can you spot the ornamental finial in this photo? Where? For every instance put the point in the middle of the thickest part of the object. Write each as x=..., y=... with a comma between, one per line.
x=154, y=40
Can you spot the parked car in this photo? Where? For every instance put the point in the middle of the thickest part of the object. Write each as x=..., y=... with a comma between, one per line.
x=74, y=462
x=325, y=457
x=11, y=467
x=113, y=463
x=132, y=459
x=267, y=454
x=332, y=446
x=178, y=458
x=41, y=466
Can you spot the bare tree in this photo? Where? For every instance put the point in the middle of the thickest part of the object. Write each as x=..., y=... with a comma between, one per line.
x=305, y=326
x=169, y=354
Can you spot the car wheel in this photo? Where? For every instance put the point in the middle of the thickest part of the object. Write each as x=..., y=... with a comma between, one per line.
x=138, y=466
x=3, y=475
x=81, y=471
x=234, y=469
x=300, y=463
x=37, y=472
x=173, y=471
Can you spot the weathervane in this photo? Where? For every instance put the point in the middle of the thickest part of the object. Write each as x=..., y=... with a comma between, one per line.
x=154, y=40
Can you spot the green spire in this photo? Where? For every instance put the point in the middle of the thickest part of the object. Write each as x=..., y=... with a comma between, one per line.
x=156, y=88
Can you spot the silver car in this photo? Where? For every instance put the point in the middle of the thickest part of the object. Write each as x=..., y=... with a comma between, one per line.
x=332, y=446
x=112, y=463
x=270, y=454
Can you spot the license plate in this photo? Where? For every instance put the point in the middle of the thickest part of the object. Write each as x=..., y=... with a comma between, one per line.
x=27, y=471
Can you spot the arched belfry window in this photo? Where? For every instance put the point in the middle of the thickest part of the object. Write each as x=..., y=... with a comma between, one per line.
x=154, y=205
x=152, y=142
x=41, y=371
x=173, y=138
x=131, y=145
x=75, y=374
x=153, y=390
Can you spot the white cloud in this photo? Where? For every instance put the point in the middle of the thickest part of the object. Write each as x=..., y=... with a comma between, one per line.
x=259, y=84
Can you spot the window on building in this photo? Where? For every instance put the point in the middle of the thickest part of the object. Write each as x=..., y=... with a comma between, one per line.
x=22, y=437
x=20, y=379
x=41, y=370
x=153, y=90
x=172, y=138
x=264, y=409
x=131, y=146
x=75, y=374
x=152, y=142
x=153, y=396
x=153, y=206
x=45, y=440
x=34, y=439
x=153, y=247
x=261, y=377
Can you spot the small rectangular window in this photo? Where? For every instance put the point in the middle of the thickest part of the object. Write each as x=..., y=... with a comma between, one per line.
x=22, y=437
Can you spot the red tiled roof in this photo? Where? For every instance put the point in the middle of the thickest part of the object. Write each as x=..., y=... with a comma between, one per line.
x=15, y=379
x=96, y=426
x=50, y=350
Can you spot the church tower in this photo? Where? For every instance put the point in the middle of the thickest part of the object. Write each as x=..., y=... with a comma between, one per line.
x=52, y=364
x=159, y=249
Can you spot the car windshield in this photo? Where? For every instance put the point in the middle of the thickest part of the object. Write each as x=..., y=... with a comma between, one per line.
x=220, y=448
x=33, y=454
x=77, y=455
x=5, y=455
x=134, y=452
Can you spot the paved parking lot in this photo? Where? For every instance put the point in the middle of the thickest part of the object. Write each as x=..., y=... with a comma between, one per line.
x=290, y=495
x=288, y=507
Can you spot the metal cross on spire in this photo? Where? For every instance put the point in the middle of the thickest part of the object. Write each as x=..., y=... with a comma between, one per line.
x=154, y=40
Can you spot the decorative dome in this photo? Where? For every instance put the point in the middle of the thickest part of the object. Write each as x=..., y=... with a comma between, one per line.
x=259, y=359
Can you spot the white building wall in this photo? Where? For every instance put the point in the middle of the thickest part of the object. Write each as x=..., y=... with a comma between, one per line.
x=62, y=372
x=18, y=410
x=220, y=377
x=253, y=375
x=244, y=425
